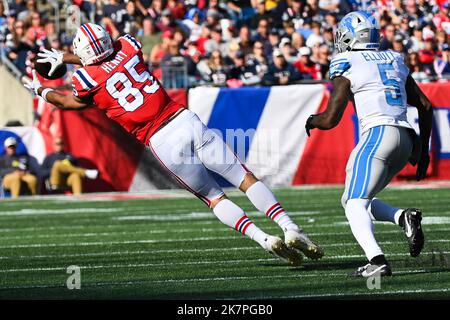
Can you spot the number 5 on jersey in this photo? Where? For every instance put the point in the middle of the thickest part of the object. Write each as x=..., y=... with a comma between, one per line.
x=120, y=87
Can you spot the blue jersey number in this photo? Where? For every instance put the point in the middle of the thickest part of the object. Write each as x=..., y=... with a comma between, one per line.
x=394, y=95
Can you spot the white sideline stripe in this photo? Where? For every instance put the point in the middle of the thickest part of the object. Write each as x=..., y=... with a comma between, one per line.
x=186, y=230
x=186, y=280
x=199, y=215
x=140, y=265
x=133, y=252
x=28, y=212
x=107, y=243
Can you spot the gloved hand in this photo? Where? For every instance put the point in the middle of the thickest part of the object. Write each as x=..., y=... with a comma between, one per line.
x=33, y=84
x=54, y=57
x=309, y=125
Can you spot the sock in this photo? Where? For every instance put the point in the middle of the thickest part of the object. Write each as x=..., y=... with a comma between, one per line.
x=384, y=212
x=380, y=259
x=233, y=216
x=264, y=200
x=362, y=226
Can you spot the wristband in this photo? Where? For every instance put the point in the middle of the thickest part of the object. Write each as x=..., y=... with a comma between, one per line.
x=45, y=92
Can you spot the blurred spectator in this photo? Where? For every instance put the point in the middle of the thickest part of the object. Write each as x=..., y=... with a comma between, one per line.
x=298, y=40
x=324, y=60
x=289, y=52
x=398, y=44
x=261, y=13
x=61, y=170
x=308, y=68
x=115, y=15
x=240, y=11
x=25, y=48
x=175, y=62
x=245, y=42
x=262, y=31
x=281, y=72
x=243, y=72
x=295, y=13
x=388, y=38
x=427, y=55
x=442, y=64
x=155, y=10
x=213, y=70
x=416, y=68
x=149, y=38
x=417, y=42
x=160, y=49
x=15, y=171
x=262, y=64
x=192, y=23
x=316, y=36
x=216, y=42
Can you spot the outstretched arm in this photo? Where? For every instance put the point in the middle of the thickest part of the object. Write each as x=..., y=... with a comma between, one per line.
x=417, y=98
x=62, y=101
x=335, y=108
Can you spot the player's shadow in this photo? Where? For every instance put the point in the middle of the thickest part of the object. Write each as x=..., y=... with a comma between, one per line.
x=310, y=265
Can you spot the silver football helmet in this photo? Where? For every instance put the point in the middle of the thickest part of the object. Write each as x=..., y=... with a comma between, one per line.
x=357, y=30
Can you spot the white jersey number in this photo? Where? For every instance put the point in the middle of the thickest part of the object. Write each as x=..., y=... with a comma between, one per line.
x=120, y=87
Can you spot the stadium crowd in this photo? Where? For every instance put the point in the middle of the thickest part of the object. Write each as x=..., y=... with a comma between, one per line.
x=235, y=43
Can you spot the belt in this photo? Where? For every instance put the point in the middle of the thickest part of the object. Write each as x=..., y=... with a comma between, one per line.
x=170, y=119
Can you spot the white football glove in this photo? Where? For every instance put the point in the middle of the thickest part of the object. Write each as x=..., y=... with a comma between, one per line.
x=33, y=84
x=54, y=57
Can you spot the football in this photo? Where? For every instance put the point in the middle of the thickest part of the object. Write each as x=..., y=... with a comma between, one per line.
x=44, y=68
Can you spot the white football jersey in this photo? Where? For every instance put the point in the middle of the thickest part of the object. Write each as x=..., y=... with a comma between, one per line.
x=378, y=81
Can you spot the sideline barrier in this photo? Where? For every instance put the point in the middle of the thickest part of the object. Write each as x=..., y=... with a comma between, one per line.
x=263, y=125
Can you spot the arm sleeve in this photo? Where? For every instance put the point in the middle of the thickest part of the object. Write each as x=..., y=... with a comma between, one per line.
x=339, y=65
x=83, y=85
x=131, y=41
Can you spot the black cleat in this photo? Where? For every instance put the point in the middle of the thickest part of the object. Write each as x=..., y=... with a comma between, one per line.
x=371, y=269
x=410, y=221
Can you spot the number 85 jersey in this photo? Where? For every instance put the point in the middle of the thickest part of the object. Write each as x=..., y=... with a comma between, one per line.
x=122, y=86
x=378, y=81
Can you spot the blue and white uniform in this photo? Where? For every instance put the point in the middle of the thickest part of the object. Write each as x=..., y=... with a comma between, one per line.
x=378, y=81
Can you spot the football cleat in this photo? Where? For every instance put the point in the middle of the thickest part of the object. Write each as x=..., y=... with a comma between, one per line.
x=410, y=222
x=299, y=240
x=278, y=248
x=372, y=269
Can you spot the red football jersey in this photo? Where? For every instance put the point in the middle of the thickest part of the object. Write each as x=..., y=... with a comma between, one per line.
x=125, y=90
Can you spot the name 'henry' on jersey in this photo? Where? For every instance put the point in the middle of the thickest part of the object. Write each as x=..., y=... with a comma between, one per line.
x=378, y=81
x=125, y=90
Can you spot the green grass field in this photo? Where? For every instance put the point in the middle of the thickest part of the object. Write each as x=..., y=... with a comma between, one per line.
x=175, y=248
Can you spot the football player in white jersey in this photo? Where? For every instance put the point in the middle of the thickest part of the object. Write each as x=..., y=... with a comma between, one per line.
x=381, y=88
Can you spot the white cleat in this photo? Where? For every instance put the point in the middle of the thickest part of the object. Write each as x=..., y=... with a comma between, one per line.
x=300, y=241
x=278, y=248
x=91, y=174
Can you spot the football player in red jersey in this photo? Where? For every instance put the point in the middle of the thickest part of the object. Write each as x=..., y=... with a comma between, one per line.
x=114, y=78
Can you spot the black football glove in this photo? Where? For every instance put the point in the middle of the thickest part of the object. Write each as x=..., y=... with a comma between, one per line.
x=309, y=125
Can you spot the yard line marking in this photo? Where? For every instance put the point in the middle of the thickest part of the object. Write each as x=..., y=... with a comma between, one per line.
x=149, y=241
x=28, y=212
x=141, y=252
x=185, y=230
x=187, y=280
x=141, y=265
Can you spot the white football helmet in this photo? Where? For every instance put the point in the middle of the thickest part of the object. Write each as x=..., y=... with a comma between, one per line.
x=358, y=30
x=92, y=44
